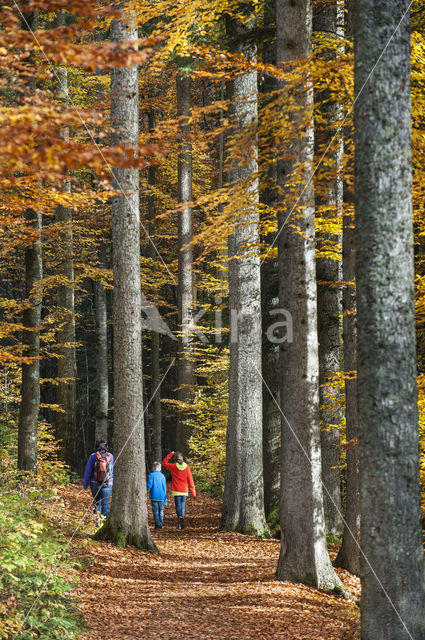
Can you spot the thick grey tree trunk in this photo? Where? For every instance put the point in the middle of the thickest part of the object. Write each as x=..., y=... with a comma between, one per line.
x=128, y=521
x=185, y=365
x=155, y=341
x=392, y=567
x=102, y=397
x=329, y=18
x=303, y=555
x=30, y=389
x=243, y=503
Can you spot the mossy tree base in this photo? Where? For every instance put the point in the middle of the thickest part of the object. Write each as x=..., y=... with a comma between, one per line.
x=123, y=539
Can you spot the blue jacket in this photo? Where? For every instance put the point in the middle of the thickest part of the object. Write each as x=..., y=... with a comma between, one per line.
x=89, y=472
x=157, y=486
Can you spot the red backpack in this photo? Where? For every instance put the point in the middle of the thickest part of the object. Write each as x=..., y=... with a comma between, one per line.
x=102, y=467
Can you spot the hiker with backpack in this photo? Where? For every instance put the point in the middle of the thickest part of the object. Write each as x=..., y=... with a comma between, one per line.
x=181, y=482
x=98, y=476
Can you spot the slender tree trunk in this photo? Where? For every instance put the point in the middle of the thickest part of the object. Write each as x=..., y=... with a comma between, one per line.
x=155, y=341
x=222, y=269
x=186, y=378
x=303, y=555
x=102, y=400
x=329, y=18
x=392, y=562
x=243, y=504
x=128, y=521
x=67, y=367
x=30, y=389
x=349, y=554
x=270, y=296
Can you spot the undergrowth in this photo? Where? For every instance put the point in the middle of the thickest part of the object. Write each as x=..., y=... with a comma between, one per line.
x=37, y=573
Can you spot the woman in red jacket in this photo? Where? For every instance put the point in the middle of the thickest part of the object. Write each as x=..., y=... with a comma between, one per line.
x=181, y=482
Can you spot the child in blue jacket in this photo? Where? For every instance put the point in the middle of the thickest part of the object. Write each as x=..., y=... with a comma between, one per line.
x=157, y=488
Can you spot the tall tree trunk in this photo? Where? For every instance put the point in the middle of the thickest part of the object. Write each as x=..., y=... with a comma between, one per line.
x=102, y=399
x=30, y=388
x=270, y=296
x=67, y=367
x=243, y=504
x=328, y=18
x=128, y=521
x=186, y=378
x=303, y=554
x=349, y=554
x=392, y=562
x=155, y=342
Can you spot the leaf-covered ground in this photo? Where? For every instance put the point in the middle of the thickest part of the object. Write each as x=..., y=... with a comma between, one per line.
x=204, y=585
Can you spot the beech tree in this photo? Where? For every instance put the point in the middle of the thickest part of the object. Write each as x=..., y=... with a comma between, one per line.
x=303, y=554
x=30, y=387
x=392, y=559
x=67, y=366
x=128, y=521
x=349, y=553
x=102, y=395
x=328, y=22
x=155, y=341
x=269, y=290
x=243, y=501
x=185, y=361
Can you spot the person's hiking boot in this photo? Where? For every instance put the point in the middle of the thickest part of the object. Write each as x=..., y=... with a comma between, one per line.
x=157, y=526
x=180, y=523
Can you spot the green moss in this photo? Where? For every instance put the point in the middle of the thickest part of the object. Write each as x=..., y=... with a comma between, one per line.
x=122, y=539
x=119, y=538
x=310, y=580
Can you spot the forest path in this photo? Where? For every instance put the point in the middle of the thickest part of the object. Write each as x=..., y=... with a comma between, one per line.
x=204, y=585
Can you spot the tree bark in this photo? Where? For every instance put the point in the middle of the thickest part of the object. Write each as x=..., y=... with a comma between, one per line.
x=270, y=296
x=66, y=423
x=155, y=341
x=349, y=554
x=303, y=554
x=243, y=503
x=392, y=562
x=102, y=400
x=186, y=378
x=328, y=18
x=30, y=389
x=128, y=521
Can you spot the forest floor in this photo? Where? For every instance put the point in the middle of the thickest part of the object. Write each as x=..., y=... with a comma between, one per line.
x=203, y=585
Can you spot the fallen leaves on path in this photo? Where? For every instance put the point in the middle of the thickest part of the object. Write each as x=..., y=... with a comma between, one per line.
x=204, y=585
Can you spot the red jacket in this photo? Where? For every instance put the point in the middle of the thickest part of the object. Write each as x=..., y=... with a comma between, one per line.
x=181, y=476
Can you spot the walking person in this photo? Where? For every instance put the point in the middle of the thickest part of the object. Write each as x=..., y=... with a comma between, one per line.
x=98, y=476
x=157, y=487
x=181, y=482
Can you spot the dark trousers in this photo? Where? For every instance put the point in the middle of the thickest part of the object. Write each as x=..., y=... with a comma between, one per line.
x=101, y=498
